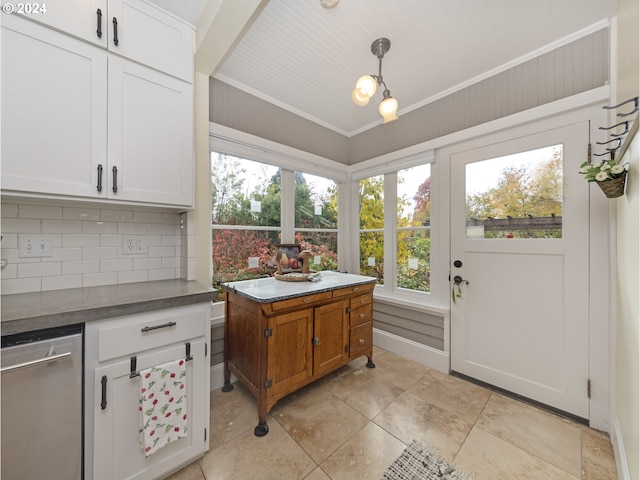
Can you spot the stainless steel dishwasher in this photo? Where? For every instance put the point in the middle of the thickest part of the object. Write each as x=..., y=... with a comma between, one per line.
x=42, y=404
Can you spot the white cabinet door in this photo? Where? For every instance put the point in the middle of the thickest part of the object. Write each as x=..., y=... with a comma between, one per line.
x=117, y=451
x=150, y=135
x=85, y=19
x=141, y=26
x=54, y=111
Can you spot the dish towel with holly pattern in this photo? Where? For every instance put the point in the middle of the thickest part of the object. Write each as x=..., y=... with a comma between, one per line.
x=163, y=405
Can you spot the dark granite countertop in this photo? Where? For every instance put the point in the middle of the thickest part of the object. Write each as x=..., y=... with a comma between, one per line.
x=35, y=311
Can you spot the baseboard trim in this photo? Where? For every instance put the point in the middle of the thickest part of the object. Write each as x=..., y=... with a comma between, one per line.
x=427, y=356
x=216, y=373
x=622, y=465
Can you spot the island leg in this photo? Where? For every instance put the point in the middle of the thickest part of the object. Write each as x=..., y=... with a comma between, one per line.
x=262, y=428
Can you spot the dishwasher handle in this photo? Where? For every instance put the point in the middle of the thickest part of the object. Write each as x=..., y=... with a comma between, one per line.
x=33, y=363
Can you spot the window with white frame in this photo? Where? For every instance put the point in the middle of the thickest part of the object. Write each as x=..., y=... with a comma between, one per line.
x=316, y=219
x=248, y=218
x=407, y=235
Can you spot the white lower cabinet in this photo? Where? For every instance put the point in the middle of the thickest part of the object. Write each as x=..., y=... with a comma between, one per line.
x=116, y=348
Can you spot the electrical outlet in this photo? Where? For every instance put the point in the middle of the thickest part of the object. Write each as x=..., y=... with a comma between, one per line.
x=134, y=244
x=31, y=246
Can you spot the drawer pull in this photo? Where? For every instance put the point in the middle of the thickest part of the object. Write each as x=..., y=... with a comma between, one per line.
x=156, y=327
x=362, y=315
x=307, y=300
x=355, y=289
x=363, y=301
x=362, y=341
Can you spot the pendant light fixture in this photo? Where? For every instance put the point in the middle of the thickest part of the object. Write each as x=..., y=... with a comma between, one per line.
x=367, y=84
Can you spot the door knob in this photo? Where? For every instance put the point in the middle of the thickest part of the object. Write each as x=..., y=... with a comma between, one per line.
x=458, y=280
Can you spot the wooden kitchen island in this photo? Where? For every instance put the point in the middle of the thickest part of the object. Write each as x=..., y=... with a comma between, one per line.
x=280, y=336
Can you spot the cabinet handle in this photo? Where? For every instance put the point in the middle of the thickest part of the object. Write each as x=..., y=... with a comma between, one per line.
x=103, y=403
x=115, y=31
x=362, y=341
x=307, y=300
x=355, y=289
x=316, y=340
x=362, y=315
x=99, y=177
x=99, y=31
x=115, y=179
x=363, y=301
x=156, y=327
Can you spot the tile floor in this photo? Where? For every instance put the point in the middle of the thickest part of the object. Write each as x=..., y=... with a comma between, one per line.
x=353, y=423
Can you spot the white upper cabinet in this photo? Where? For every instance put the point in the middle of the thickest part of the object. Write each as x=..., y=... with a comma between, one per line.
x=108, y=124
x=85, y=19
x=150, y=118
x=131, y=28
x=135, y=26
x=54, y=111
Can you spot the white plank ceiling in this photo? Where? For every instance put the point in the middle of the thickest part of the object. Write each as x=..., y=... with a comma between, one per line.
x=306, y=59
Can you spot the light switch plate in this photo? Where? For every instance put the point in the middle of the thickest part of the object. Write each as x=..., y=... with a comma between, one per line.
x=35, y=245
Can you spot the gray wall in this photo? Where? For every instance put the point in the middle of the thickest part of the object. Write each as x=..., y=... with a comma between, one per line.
x=574, y=68
x=421, y=327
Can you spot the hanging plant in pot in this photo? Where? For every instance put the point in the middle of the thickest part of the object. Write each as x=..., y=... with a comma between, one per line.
x=608, y=175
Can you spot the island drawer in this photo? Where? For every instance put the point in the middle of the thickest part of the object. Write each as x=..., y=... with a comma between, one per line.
x=356, y=289
x=300, y=301
x=360, y=340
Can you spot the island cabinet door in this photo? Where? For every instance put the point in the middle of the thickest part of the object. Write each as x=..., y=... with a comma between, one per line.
x=330, y=337
x=289, y=352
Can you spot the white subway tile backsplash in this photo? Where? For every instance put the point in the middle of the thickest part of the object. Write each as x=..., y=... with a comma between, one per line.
x=21, y=225
x=147, y=263
x=116, y=265
x=162, y=274
x=81, y=213
x=133, y=228
x=62, y=282
x=12, y=286
x=172, y=218
x=9, y=210
x=171, y=262
x=99, y=253
x=65, y=255
x=162, y=229
x=61, y=226
x=81, y=267
x=80, y=240
x=161, y=252
x=117, y=216
x=39, y=269
x=110, y=240
x=147, y=217
x=134, y=276
x=87, y=247
x=9, y=240
x=170, y=240
x=110, y=228
x=10, y=271
x=40, y=211
x=99, y=279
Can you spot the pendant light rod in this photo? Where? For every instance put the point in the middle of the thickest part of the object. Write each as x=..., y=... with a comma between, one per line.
x=366, y=85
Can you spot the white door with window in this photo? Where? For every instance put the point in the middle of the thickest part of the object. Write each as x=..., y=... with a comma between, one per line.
x=519, y=247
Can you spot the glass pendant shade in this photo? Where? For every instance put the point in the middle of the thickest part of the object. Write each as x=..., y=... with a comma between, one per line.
x=388, y=109
x=367, y=84
x=359, y=97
